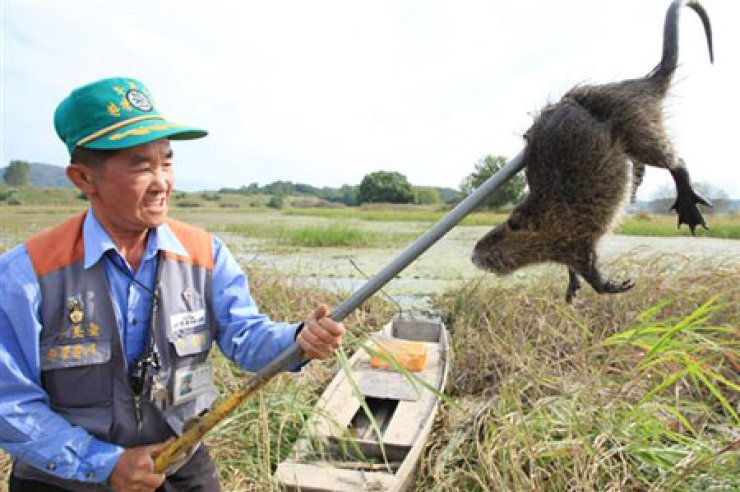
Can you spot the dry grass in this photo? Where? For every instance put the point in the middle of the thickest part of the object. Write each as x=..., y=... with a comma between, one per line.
x=260, y=434
x=626, y=392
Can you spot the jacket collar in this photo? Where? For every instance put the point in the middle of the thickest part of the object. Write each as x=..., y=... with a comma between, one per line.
x=98, y=242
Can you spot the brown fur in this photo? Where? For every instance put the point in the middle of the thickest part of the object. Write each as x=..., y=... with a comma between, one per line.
x=576, y=160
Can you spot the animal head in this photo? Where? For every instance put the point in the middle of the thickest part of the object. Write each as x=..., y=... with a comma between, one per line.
x=511, y=245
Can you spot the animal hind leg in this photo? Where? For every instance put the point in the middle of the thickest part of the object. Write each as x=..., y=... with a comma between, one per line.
x=591, y=274
x=573, y=285
x=646, y=145
x=638, y=173
x=687, y=199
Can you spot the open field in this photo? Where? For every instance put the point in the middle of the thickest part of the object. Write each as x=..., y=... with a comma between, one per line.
x=33, y=199
x=630, y=392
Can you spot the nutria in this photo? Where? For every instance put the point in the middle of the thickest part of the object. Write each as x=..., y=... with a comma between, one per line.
x=577, y=157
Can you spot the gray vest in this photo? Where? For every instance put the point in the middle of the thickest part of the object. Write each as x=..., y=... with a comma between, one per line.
x=83, y=363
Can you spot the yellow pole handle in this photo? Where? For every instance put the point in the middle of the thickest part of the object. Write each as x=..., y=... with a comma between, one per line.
x=180, y=447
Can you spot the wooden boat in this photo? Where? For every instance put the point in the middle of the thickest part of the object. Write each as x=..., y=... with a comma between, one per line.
x=340, y=449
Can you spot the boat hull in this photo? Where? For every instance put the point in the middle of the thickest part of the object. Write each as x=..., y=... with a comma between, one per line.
x=340, y=449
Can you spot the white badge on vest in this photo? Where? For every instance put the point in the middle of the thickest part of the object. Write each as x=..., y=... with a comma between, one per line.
x=190, y=382
x=182, y=324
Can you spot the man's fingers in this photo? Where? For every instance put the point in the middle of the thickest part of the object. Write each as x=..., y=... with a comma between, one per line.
x=321, y=334
x=152, y=480
x=155, y=449
x=146, y=458
x=333, y=328
x=315, y=338
x=317, y=343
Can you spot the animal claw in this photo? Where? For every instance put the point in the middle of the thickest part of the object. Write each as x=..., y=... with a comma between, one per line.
x=614, y=287
x=688, y=212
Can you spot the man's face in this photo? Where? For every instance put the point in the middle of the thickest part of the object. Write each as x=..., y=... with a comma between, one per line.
x=132, y=188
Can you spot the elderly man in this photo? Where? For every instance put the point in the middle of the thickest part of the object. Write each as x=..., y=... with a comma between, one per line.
x=107, y=319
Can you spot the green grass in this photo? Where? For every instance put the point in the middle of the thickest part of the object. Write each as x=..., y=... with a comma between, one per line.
x=396, y=214
x=333, y=236
x=725, y=226
x=319, y=236
x=184, y=204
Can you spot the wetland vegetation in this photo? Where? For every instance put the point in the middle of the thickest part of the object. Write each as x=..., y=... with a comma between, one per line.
x=637, y=391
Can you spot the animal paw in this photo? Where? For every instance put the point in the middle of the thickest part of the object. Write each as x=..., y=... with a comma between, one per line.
x=687, y=210
x=573, y=286
x=615, y=287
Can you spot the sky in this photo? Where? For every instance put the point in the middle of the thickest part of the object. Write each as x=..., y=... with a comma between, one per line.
x=325, y=92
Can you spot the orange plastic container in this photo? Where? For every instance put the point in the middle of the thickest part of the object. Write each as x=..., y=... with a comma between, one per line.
x=410, y=355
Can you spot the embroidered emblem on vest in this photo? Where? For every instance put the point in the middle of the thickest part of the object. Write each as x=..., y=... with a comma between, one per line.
x=76, y=312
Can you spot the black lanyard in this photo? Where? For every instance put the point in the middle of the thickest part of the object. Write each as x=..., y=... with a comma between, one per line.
x=139, y=370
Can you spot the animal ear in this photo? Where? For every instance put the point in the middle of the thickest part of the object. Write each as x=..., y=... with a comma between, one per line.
x=513, y=225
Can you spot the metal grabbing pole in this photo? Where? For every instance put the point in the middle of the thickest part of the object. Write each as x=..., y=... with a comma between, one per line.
x=293, y=356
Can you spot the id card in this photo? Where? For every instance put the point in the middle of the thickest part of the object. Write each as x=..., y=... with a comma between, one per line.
x=182, y=324
x=190, y=382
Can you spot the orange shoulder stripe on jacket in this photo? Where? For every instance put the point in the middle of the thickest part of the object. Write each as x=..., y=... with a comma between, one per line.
x=58, y=246
x=197, y=243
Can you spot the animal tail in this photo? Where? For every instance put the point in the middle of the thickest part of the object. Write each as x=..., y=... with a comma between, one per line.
x=664, y=70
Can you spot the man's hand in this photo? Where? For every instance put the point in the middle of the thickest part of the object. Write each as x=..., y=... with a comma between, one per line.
x=320, y=335
x=135, y=469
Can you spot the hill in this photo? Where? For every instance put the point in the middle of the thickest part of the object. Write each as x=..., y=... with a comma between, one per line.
x=46, y=176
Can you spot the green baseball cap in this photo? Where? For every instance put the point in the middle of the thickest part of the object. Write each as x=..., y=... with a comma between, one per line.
x=115, y=113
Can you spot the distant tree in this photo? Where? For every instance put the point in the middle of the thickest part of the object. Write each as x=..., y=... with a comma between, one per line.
x=276, y=201
x=510, y=192
x=17, y=173
x=211, y=197
x=426, y=195
x=385, y=187
x=348, y=194
x=9, y=195
x=279, y=188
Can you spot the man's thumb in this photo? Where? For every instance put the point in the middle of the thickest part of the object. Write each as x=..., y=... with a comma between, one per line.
x=321, y=311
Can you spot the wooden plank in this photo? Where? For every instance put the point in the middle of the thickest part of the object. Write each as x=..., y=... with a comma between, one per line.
x=410, y=417
x=417, y=330
x=315, y=477
x=338, y=404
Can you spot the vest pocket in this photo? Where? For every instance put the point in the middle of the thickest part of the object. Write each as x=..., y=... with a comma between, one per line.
x=77, y=375
x=192, y=340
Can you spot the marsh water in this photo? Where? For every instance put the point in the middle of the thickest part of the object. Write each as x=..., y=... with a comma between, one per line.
x=447, y=262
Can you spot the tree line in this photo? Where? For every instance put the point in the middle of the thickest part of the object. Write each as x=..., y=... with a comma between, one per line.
x=394, y=187
x=375, y=187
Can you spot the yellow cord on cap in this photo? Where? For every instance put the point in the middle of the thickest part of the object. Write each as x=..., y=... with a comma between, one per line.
x=116, y=126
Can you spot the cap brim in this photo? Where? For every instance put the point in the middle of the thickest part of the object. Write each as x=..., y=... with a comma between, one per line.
x=142, y=132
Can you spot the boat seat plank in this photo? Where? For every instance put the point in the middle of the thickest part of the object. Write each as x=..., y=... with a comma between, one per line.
x=312, y=477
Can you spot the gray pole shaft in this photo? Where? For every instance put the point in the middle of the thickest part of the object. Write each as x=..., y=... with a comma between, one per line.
x=293, y=356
